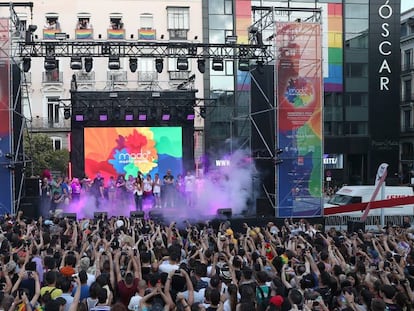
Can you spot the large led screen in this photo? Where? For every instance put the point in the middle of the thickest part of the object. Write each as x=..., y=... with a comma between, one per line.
x=113, y=151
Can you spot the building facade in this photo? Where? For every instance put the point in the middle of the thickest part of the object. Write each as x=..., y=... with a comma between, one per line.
x=407, y=97
x=46, y=92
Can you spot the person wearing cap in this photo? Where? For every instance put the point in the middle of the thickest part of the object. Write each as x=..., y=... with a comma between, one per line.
x=275, y=303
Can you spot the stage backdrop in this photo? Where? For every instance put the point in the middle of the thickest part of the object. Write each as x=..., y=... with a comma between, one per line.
x=126, y=150
x=299, y=119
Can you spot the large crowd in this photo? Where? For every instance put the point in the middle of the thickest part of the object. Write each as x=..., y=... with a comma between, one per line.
x=120, y=263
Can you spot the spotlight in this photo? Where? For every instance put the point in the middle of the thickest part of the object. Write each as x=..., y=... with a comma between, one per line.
x=182, y=63
x=9, y=156
x=159, y=65
x=76, y=63
x=50, y=63
x=103, y=116
x=129, y=115
x=113, y=63
x=165, y=115
x=190, y=116
x=218, y=64
x=244, y=65
x=142, y=114
x=201, y=65
x=79, y=117
x=88, y=64
x=203, y=112
x=66, y=113
x=27, y=63
x=133, y=64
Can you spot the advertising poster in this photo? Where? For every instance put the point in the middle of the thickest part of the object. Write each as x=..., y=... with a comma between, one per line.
x=299, y=119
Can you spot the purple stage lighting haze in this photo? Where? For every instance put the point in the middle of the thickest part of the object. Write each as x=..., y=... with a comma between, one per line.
x=79, y=117
x=129, y=117
x=165, y=117
x=190, y=117
x=142, y=117
x=103, y=117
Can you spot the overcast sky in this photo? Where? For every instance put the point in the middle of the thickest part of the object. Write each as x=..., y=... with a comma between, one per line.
x=406, y=4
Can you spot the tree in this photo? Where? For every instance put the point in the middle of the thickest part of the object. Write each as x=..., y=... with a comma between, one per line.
x=39, y=148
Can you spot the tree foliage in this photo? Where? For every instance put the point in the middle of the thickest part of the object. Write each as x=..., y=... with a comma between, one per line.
x=39, y=148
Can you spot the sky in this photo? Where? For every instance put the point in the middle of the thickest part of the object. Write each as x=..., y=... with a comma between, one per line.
x=406, y=4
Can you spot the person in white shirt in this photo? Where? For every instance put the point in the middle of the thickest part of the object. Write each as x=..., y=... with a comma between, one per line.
x=172, y=264
x=147, y=187
x=156, y=190
x=135, y=300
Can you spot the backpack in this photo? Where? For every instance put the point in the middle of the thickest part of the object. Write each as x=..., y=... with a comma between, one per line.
x=47, y=296
x=263, y=302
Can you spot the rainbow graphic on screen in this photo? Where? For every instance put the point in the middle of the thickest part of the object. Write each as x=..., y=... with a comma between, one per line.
x=49, y=34
x=333, y=82
x=146, y=34
x=116, y=33
x=243, y=22
x=114, y=151
x=84, y=34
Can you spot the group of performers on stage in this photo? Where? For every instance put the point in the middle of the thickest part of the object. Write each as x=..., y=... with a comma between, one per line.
x=167, y=192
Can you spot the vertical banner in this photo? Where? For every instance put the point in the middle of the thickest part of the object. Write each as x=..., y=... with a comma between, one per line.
x=299, y=119
x=5, y=121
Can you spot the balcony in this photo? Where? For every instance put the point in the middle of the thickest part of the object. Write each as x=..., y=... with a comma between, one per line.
x=178, y=34
x=179, y=75
x=49, y=34
x=52, y=77
x=116, y=34
x=45, y=124
x=117, y=78
x=83, y=77
x=147, y=76
x=406, y=68
x=84, y=34
x=147, y=34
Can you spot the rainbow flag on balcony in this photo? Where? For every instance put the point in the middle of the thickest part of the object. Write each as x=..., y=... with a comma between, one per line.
x=49, y=34
x=84, y=34
x=116, y=33
x=146, y=34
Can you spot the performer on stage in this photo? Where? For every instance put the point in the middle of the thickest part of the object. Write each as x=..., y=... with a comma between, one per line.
x=168, y=189
x=97, y=189
x=156, y=190
x=138, y=193
x=189, y=182
x=147, y=186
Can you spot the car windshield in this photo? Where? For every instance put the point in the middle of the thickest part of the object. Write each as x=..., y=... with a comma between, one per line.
x=340, y=199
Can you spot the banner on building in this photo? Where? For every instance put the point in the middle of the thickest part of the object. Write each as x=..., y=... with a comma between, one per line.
x=5, y=124
x=299, y=119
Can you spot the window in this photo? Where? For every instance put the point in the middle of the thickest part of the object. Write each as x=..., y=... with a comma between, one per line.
x=57, y=143
x=146, y=21
x=356, y=70
x=178, y=22
x=52, y=21
x=407, y=90
x=52, y=111
x=407, y=59
x=407, y=119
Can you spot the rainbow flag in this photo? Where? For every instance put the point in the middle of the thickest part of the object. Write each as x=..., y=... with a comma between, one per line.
x=116, y=33
x=82, y=34
x=146, y=34
x=49, y=33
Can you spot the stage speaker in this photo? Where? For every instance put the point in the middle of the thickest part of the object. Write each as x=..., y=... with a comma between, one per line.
x=30, y=206
x=355, y=226
x=32, y=187
x=71, y=216
x=136, y=214
x=100, y=215
x=156, y=215
x=264, y=208
x=224, y=212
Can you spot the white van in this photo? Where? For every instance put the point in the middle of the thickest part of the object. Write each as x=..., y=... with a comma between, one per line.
x=361, y=194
